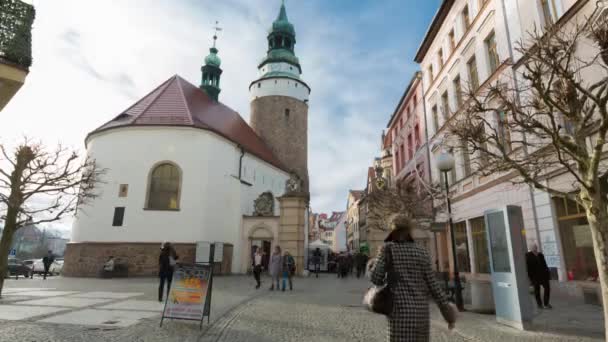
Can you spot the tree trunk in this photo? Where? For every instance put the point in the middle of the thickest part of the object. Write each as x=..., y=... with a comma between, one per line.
x=597, y=215
x=5, y=247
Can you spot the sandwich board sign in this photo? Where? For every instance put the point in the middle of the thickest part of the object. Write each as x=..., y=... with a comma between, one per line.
x=190, y=295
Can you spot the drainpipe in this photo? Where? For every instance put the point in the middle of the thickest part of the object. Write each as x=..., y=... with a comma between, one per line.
x=518, y=99
x=428, y=163
x=306, y=229
x=241, y=161
x=426, y=128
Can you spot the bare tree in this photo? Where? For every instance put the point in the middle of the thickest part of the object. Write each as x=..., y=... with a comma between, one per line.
x=413, y=198
x=549, y=117
x=40, y=186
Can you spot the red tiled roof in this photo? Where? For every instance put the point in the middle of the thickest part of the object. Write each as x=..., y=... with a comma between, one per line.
x=177, y=102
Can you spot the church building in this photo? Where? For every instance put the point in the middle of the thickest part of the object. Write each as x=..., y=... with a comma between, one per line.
x=183, y=167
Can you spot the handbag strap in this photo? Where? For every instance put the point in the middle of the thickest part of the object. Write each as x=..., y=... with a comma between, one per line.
x=390, y=270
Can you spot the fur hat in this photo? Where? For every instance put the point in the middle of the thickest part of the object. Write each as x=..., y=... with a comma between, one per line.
x=401, y=228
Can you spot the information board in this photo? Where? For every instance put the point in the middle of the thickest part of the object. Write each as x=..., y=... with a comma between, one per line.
x=190, y=295
x=218, y=253
x=203, y=252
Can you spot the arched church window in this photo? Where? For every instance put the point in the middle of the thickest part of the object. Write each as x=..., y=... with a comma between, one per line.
x=260, y=85
x=288, y=43
x=164, y=187
x=287, y=113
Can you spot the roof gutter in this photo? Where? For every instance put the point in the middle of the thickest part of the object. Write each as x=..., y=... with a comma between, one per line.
x=433, y=30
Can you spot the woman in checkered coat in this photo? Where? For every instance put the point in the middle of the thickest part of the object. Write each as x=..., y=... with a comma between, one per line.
x=414, y=280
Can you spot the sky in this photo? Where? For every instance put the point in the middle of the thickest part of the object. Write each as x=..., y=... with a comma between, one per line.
x=93, y=59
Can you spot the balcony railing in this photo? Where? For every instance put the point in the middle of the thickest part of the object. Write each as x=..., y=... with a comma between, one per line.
x=16, y=19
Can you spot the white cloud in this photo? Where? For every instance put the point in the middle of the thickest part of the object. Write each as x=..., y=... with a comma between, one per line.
x=92, y=59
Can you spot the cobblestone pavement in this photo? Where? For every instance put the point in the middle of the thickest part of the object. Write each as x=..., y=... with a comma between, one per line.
x=323, y=309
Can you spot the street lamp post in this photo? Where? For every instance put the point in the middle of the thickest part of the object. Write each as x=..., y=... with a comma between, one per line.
x=445, y=163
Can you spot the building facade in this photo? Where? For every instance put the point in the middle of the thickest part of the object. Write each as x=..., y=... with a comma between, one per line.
x=183, y=167
x=352, y=220
x=469, y=45
x=465, y=49
x=407, y=134
x=563, y=235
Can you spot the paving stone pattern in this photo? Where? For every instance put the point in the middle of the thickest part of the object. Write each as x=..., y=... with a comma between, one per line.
x=324, y=309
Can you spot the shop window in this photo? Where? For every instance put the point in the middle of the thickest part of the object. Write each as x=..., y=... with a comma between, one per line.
x=577, y=243
x=462, y=247
x=480, y=245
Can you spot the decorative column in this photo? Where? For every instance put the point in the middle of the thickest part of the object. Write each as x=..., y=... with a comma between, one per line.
x=292, y=223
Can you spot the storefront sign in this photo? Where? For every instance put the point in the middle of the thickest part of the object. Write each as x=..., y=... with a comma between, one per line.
x=190, y=293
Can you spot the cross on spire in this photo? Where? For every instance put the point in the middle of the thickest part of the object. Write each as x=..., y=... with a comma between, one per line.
x=217, y=29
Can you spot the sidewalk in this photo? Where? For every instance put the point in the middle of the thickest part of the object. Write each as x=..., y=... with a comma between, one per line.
x=323, y=309
x=565, y=322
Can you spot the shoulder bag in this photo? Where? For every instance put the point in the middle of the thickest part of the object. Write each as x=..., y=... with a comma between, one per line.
x=379, y=299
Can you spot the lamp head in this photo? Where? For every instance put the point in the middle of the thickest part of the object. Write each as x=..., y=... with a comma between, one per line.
x=445, y=162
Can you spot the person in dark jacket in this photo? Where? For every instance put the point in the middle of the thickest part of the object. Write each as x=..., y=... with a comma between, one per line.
x=166, y=265
x=539, y=275
x=361, y=261
x=413, y=280
x=47, y=261
x=316, y=261
x=289, y=268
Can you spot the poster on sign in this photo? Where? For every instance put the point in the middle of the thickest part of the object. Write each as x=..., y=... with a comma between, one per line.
x=190, y=292
x=218, y=253
x=203, y=252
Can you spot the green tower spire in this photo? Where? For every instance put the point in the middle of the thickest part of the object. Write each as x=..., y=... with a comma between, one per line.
x=281, y=41
x=211, y=70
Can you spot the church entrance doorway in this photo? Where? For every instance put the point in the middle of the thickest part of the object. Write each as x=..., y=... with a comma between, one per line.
x=266, y=246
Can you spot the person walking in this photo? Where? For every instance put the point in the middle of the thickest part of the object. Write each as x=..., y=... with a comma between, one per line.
x=361, y=261
x=289, y=268
x=257, y=266
x=411, y=282
x=539, y=275
x=166, y=265
x=275, y=267
x=47, y=261
x=316, y=260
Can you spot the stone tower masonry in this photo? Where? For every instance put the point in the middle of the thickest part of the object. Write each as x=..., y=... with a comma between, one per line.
x=279, y=100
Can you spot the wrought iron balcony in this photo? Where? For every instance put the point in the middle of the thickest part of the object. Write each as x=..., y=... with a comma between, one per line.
x=16, y=19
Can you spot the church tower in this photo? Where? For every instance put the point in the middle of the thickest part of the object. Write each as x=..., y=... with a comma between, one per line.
x=211, y=71
x=279, y=100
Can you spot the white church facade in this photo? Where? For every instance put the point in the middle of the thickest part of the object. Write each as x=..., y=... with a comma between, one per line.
x=182, y=167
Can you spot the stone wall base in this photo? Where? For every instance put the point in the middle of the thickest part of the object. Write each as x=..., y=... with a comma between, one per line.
x=86, y=259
